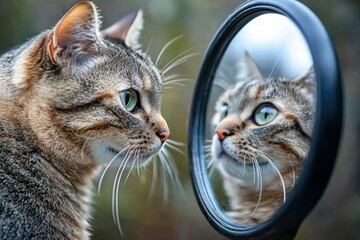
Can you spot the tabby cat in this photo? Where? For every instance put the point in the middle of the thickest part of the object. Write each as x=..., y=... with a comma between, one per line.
x=72, y=98
x=263, y=129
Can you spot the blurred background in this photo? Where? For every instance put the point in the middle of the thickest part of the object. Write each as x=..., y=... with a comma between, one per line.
x=149, y=216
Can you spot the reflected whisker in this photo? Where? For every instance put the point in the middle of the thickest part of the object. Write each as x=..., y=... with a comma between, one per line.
x=260, y=184
x=278, y=172
x=274, y=68
x=294, y=176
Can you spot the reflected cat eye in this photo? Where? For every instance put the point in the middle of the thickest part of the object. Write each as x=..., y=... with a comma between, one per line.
x=265, y=114
x=269, y=43
x=224, y=111
x=129, y=99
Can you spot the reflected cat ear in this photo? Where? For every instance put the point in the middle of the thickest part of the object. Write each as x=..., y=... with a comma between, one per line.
x=306, y=81
x=126, y=30
x=76, y=34
x=247, y=68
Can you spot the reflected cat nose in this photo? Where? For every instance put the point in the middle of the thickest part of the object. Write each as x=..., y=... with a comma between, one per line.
x=222, y=133
x=163, y=134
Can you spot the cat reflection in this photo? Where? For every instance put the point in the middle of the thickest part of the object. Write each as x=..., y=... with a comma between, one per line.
x=263, y=129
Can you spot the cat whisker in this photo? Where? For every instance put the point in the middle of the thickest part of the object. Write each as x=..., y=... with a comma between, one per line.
x=253, y=166
x=135, y=162
x=148, y=47
x=164, y=48
x=279, y=174
x=273, y=68
x=176, y=82
x=172, y=77
x=178, y=61
x=222, y=83
x=294, y=176
x=258, y=170
x=83, y=148
x=116, y=186
x=154, y=178
x=224, y=76
x=170, y=170
x=166, y=88
x=173, y=172
x=114, y=192
x=107, y=167
x=176, y=143
x=208, y=151
x=164, y=182
x=173, y=145
x=211, y=165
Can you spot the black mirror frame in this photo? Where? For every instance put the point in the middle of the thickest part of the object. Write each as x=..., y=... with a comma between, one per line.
x=326, y=136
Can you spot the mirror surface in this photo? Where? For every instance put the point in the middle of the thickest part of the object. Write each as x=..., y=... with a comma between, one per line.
x=260, y=118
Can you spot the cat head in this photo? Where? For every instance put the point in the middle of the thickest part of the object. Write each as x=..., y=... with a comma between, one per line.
x=263, y=126
x=91, y=90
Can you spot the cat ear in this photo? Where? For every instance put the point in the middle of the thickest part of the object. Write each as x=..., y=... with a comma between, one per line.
x=248, y=68
x=126, y=30
x=306, y=81
x=76, y=34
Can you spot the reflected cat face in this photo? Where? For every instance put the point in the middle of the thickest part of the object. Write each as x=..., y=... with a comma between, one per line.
x=263, y=128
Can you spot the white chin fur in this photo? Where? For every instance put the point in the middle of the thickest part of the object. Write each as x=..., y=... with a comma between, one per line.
x=104, y=155
x=244, y=174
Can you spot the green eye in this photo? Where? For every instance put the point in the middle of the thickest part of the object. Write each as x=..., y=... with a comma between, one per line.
x=129, y=99
x=224, y=111
x=265, y=113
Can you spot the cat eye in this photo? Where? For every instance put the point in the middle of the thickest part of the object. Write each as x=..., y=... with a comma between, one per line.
x=265, y=114
x=224, y=111
x=266, y=49
x=129, y=99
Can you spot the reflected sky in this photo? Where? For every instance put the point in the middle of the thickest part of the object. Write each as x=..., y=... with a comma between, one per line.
x=275, y=44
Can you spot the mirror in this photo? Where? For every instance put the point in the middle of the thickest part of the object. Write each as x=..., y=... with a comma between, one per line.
x=260, y=118
x=264, y=126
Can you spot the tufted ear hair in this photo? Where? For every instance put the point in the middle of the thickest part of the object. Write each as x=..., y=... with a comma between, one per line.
x=247, y=68
x=306, y=82
x=76, y=35
x=126, y=30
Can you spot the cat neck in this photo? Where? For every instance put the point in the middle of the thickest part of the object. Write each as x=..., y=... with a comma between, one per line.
x=49, y=189
x=248, y=206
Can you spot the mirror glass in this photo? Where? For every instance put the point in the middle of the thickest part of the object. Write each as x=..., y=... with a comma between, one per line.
x=260, y=118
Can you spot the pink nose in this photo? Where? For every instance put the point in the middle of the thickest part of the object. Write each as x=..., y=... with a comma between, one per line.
x=222, y=133
x=163, y=134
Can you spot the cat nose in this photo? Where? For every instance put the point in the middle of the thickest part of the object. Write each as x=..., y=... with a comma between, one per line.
x=162, y=129
x=222, y=133
x=163, y=134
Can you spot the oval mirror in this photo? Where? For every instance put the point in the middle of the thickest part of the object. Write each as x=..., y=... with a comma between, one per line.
x=263, y=135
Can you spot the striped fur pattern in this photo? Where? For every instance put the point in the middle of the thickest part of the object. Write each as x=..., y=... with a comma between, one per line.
x=261, y=162
x=61, y=117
